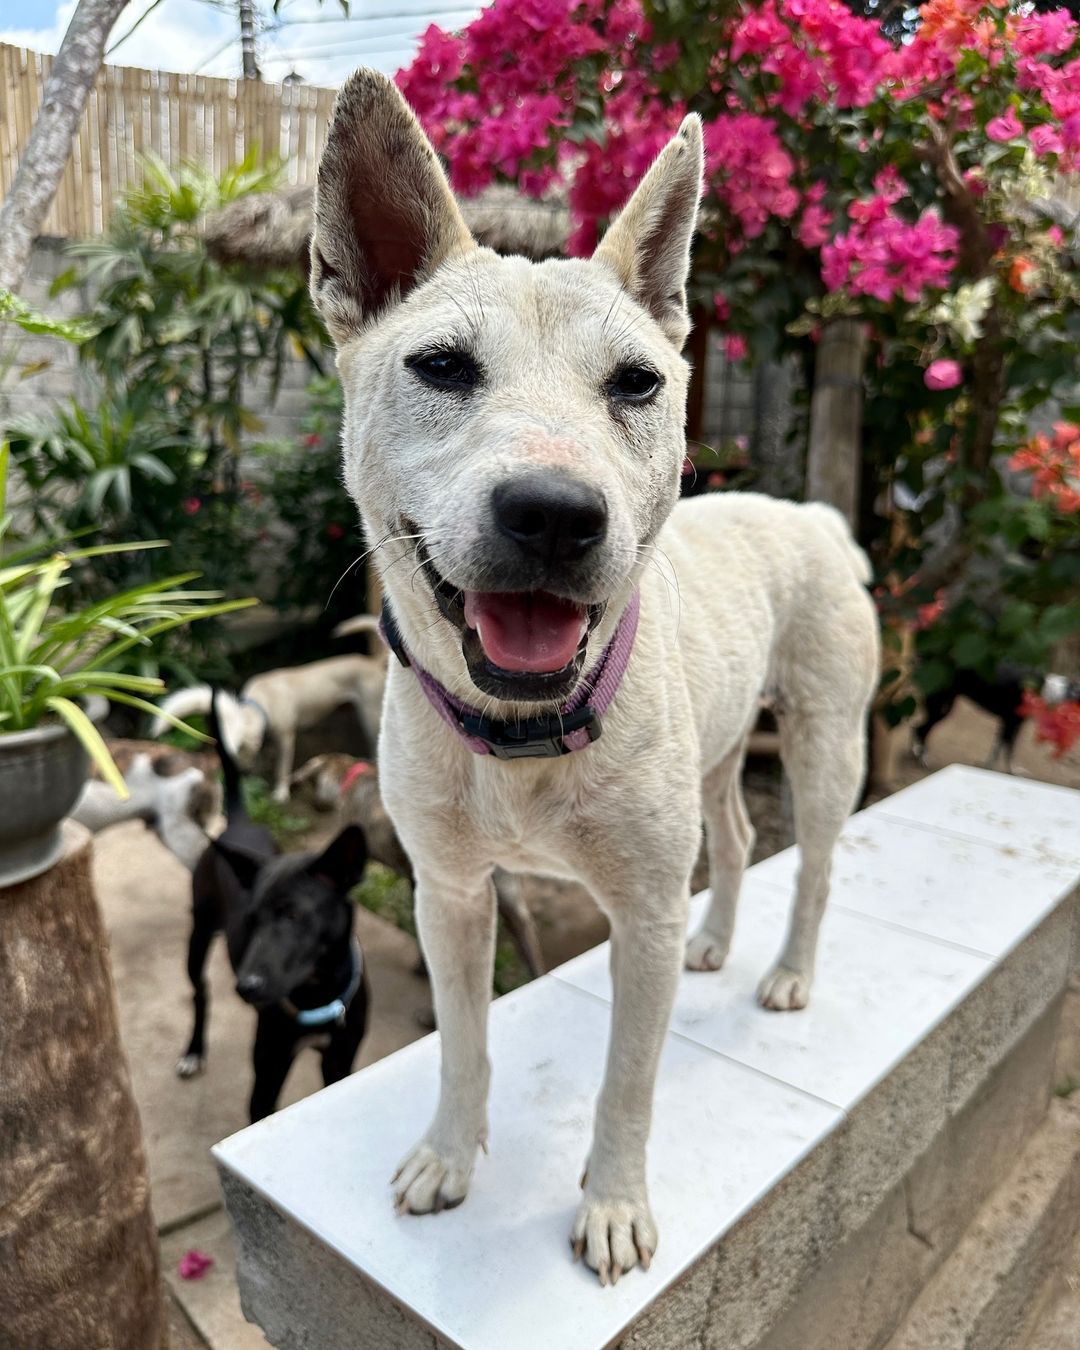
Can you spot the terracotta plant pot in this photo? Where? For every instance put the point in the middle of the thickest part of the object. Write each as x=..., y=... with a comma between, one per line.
x=42, y=772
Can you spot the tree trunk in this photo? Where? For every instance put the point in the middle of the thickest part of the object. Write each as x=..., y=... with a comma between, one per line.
x=45, y=156
x=777, y=464
x=834, y=455
x=78, y=1249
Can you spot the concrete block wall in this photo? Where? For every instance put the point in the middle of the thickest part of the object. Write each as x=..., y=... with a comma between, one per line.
x=910, y=1103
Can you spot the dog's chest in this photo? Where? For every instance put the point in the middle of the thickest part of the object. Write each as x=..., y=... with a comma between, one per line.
x=523, y=809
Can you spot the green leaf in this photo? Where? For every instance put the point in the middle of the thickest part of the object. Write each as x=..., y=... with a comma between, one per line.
x=92, y=742
x=933, y=675
x=1059, y=621
x=968, y=650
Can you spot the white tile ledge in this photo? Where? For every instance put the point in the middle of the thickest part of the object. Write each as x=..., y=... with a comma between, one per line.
x=743, y=1095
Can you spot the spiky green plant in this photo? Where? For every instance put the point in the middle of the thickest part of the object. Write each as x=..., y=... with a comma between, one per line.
x=53, y=658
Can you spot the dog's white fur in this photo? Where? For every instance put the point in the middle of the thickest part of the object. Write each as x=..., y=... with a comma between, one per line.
x=740, y=595
x=280, y=703
x=180, y=806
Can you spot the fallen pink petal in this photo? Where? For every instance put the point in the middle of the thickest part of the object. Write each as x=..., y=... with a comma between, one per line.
x=194, y=1264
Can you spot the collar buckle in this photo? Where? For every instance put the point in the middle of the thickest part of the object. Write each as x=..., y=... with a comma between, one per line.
x=531, y=737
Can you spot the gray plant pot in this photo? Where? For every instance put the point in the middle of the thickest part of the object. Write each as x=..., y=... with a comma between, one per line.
x=42, y=773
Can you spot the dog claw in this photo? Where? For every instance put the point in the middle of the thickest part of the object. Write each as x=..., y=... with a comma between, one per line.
x=616, y=1271
x=577, y=1247
x=602, y=1271
x=644, y=1256
x=584, y=1179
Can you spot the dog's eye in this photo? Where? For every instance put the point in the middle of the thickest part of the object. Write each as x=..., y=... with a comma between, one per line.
x=446, y=369
x=634, y=384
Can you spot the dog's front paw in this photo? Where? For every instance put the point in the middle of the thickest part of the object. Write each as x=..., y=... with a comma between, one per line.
x=187, y=1066
x=784, y=990
x=613, y=1236
x=705, y=951
x=431, y=1179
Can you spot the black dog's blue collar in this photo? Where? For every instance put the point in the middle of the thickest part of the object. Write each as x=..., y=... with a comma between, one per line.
x=335, y=1010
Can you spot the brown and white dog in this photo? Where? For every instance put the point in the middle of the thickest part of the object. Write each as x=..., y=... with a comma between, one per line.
x=277, y=704
x=174, y=791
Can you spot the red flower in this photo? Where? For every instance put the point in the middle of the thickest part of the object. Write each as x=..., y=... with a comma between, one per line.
x=312, y=440
x=927, y=615
x=1058, y=725
x=191, y=506
x=335, y=531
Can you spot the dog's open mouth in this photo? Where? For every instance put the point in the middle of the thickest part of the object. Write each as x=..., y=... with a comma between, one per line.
x=517, y=644
x=526, y=632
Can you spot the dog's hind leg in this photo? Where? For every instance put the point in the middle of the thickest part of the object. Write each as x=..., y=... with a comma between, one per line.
x=517, y=916
x=286, y=754
x=457, y=931
x=825, y=759
x=193, y=1060
x=729, y=839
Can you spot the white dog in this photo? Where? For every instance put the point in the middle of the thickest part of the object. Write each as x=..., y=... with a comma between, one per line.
x=513, y=439
x=279, y=703
x=166, y=788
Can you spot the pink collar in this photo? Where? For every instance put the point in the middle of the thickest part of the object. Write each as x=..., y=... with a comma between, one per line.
x=574, y=727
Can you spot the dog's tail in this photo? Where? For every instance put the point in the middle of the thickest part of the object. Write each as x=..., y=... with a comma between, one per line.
x=183, y=703
x=234, y=802
x=834, y=523
x=359, y=623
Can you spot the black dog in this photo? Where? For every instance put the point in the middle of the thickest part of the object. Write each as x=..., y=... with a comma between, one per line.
x=1001, y=697
x=288, y=923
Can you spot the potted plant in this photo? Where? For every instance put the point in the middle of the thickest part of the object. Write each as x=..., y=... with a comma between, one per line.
x=58, y=668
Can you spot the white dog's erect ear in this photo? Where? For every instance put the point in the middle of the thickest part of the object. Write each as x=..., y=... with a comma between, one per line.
x=648, y=245
x=385, y=217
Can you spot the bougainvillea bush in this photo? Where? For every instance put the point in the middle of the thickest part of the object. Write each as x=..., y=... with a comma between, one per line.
x=913, y=186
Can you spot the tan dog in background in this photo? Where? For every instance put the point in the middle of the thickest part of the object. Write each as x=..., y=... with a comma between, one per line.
x=513, y=439
x=277, y=704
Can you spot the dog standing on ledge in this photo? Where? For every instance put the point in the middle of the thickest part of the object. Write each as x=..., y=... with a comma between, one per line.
x=579, y=662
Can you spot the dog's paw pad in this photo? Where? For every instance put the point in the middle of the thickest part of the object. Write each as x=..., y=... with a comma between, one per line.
x=187, y=1066
x=784, y=990
x=705, y=951
x=426, y=1182
x=613, y=1236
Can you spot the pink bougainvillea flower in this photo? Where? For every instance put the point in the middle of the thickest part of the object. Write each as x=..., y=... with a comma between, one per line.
x=735, y=348
x=1007, y=127
x=1045, y=140
x=191, y=506
x=942, y=375
x=194, y=1264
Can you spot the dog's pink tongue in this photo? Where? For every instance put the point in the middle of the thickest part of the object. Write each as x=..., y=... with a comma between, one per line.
x=525, y=630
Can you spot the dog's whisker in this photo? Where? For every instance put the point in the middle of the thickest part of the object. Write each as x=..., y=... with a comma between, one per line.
x=382, y=543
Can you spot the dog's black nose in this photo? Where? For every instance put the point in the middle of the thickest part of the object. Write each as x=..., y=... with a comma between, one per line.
x=250, y=986
x=553, y=516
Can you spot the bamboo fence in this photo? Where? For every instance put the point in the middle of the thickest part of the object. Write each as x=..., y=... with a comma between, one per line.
x=131, y=112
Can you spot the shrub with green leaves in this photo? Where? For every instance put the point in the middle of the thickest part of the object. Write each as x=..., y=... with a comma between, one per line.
x=54, y=656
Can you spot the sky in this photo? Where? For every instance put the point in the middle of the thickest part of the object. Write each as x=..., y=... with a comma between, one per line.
x=311, y=39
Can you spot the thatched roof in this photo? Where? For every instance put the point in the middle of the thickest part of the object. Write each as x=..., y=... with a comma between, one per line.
x=272, y=229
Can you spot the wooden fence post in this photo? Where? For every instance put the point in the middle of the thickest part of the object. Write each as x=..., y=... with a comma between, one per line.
x=78, y=1248
x=834, y=454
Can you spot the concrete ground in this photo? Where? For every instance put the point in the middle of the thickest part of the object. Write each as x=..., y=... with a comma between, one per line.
x=145, y=895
